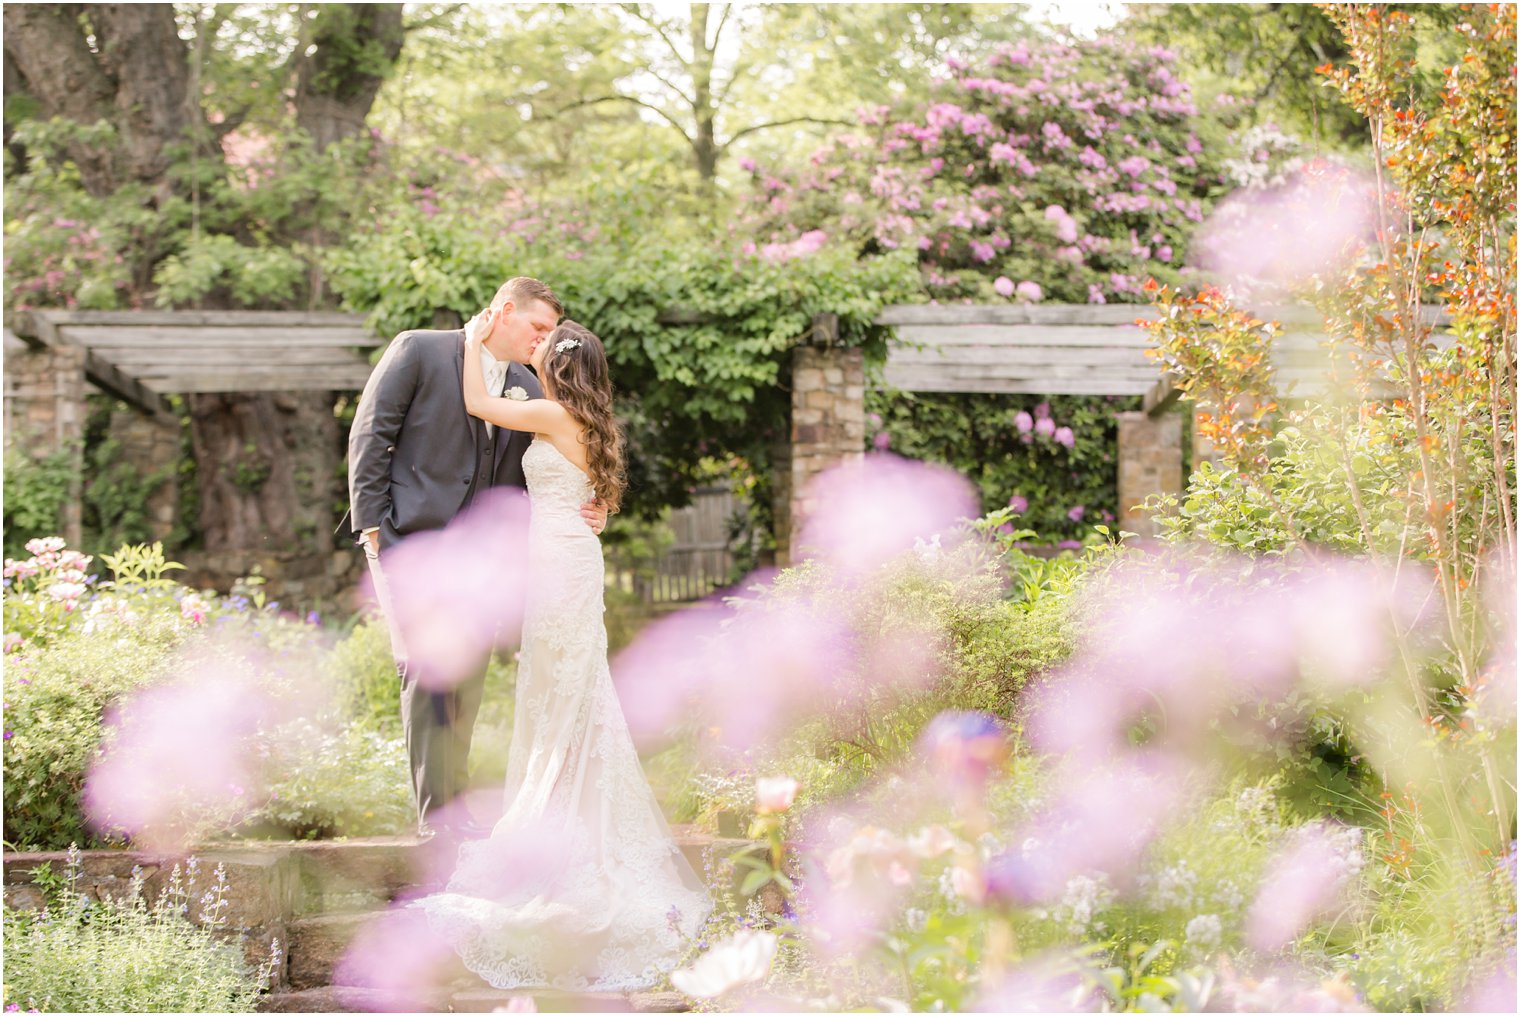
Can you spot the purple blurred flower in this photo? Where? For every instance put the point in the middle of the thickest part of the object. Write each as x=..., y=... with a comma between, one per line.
x=863, y=514
x=1103, y=819
x=1019, y=503
x=1282, y=235
x=966, y=747
x=1042, y=411
x=1064, y=436
x=1024, y=422
x=1003, y=285
x=174, y=750
x=1030, y=292
x=1045, y=426
x=1075, y=513
x=1044, y=983
x=1303, y=882
x=457, y=593
x=882, y=441
x=399, y=958
x=1494, y=992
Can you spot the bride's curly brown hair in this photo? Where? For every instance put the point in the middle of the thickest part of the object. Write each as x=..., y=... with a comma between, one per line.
x=578, y=379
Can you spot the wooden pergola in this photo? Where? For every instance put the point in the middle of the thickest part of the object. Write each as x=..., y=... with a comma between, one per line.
x=1040, y=349
x=141, y=356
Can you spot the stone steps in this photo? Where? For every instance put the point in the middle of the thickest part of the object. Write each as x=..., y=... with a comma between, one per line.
x=314, y=897
x=347, y=999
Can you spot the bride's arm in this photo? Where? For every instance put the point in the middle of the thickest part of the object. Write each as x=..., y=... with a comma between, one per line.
x=535, y=416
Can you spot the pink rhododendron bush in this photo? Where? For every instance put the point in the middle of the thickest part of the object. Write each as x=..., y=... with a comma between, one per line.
x=1045, y=172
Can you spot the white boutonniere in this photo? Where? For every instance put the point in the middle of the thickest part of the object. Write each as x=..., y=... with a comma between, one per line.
x=516, y=394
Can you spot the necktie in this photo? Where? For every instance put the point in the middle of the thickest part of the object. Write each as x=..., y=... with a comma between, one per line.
x=494, y=378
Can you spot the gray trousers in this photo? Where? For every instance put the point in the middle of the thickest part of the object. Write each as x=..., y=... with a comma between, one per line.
x=437, y=725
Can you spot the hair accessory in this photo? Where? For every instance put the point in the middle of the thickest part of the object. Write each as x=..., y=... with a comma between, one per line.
x=564, y=344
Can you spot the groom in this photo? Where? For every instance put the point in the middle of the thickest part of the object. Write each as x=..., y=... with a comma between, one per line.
x=416, y=459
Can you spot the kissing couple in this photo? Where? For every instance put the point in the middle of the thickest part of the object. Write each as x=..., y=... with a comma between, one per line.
x=520, y=398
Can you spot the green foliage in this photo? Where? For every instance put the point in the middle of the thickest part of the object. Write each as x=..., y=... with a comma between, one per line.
x=35, y=492
x=254, y=276
x=978, y=436
x=127, y=954
x=363, y=677
x=694, y=331
x=349, y=782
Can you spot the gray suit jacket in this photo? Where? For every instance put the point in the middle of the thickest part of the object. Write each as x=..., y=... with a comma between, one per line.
x=411, y=452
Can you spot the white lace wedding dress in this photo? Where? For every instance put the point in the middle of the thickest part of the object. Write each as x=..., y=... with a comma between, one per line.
x=609, y=909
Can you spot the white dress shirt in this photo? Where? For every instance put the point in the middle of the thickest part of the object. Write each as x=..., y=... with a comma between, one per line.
x=496, y=378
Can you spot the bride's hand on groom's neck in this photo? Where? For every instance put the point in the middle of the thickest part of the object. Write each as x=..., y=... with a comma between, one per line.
x=478, y=327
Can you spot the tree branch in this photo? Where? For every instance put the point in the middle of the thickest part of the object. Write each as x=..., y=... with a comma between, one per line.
x=662, y=79
x=659, y=30
x=622, y=98
x=723, y=20
x=780, y=123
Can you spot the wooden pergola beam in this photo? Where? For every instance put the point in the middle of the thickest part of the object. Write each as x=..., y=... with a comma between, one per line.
x=40, y=330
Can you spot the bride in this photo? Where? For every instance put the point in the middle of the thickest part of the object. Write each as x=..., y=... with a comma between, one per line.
x=607, y=899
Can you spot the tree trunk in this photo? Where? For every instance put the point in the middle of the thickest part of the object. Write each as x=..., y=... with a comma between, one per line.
x=268, y=464
x=266, y=467
x=357, y=45
x=704, y=145
x=46, y=46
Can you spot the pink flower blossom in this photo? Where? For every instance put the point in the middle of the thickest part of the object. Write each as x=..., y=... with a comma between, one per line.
x=454, y=594
x=1045, y=426
x=1064, y=436
x=871, y=511
x=1030, y=292
x=1003, y=286
x=1024, y=422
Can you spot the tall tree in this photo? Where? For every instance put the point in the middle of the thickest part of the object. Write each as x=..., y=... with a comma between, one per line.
x=132, y=78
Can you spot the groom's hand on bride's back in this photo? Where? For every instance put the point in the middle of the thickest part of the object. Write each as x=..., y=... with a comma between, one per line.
x=595, y=514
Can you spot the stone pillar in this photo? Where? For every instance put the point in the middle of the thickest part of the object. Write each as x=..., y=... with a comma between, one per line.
x=828, y=425
x=151, y=446
x=1150, y=462
x=44, y=416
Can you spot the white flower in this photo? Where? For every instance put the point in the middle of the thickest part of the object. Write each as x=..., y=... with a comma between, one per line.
x=1084, y=899
x=743, y=958
x=774, y=794
x=564, y=344
x=1204, y=931
x=516, y=394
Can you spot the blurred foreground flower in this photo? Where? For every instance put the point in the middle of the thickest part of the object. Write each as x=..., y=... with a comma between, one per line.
x=400, y=957
x=774, y=794
x=864, y=514
x=181, y=755
x=743, y=958
x=1277, y=237
x=1304, y=881
x=453, y=595
x=965, y=747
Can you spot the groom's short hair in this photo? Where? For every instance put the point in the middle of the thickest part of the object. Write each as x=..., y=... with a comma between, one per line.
x=523, y=290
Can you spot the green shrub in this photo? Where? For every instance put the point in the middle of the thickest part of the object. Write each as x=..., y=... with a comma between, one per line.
x=127, y=955
x=35, y=493
x=55, y=699
x=364, y=679
x=353, y=782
